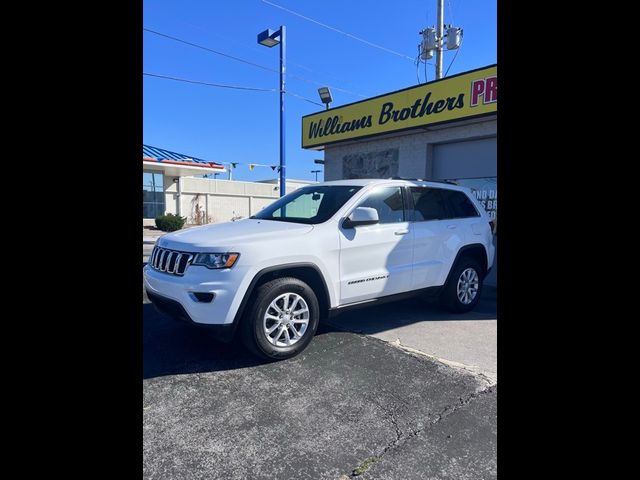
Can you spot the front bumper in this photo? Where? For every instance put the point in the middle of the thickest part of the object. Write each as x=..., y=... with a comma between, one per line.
x=175, y=310
x=225, y=285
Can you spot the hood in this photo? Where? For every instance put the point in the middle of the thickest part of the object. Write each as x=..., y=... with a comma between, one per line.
x=229, y=235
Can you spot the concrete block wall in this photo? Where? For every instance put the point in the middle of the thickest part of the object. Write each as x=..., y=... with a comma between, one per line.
x=414, y=148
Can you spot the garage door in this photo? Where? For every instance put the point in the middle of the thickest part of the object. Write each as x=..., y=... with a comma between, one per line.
x=475, y=161
x=469, y=159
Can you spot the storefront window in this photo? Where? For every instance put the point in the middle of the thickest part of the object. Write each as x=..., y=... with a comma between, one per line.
x=152, y=194
x=485, y=190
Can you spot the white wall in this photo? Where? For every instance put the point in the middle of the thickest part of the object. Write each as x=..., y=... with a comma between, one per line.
x=221, y=199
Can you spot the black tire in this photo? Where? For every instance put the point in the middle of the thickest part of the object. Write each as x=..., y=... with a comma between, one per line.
x=252, y=328
x=449, y=296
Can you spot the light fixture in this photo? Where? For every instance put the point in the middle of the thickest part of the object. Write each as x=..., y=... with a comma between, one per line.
x=325, y=96
x=269, y=38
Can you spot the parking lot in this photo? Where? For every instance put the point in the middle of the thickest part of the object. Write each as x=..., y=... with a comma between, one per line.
x=351, y=405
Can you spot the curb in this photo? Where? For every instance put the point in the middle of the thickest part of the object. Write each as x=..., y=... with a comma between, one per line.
x=489, y=379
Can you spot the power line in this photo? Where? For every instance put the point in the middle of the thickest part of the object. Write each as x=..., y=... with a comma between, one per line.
x=454, y=57
x=250, y=63
x=418, y=61
x=210, y=50
x=329, y=76
x=340, y=31
x=289, y=62
x=303, y=98
x=451, y=12
x=426, y=79
x=238, y=87
x=221, y=85
x=326, y=85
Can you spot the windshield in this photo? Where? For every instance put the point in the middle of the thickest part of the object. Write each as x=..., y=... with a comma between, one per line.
x=310, y=205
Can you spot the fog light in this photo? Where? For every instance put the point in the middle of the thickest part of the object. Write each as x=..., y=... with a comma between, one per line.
x=203, y=297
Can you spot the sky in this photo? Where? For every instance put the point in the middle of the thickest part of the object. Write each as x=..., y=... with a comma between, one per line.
x=232, y=125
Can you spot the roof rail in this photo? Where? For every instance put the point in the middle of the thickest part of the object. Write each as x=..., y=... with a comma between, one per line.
x=448, y=182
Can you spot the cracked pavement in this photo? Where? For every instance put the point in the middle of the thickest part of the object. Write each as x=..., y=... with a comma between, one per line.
x=348, y=404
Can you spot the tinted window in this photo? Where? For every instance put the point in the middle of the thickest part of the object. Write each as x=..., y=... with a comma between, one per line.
x=459, y=204
x=388, y=202
x=486, y=192
x=428, y=204
x=311, y=205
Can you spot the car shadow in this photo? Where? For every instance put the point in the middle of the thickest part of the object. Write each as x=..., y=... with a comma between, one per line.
x=376, y=319
x=170, y=347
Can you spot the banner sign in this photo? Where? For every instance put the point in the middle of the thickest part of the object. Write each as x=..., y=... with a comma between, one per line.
x=466, y=95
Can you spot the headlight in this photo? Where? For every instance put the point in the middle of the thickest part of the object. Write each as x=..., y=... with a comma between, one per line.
x=216, y=260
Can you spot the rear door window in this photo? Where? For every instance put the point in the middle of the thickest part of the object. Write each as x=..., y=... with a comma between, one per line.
x=428, y=204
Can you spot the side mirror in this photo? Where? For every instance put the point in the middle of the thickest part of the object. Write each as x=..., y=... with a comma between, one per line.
x=361, y=216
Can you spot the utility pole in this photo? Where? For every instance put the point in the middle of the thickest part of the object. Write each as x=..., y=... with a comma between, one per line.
x=433, y=39
x=439, y=33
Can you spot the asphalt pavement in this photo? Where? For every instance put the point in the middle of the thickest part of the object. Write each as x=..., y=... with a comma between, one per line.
x=349, y=406
x=468, y=341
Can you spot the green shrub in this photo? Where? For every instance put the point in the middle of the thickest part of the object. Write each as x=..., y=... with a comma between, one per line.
x=170, y=222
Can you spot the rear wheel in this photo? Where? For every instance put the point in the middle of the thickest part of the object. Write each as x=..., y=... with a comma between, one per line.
x=462, y=292
x=282, y=319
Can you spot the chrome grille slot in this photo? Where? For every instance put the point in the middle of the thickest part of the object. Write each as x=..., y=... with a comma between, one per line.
x=170, y=258
x=152, y=258
x=170, y=261
x=163, y=258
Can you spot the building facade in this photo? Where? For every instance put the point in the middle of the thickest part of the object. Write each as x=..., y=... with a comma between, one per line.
x=173, y=183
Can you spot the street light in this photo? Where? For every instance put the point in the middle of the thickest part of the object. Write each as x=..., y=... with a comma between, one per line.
x=325, y=96
x=316, y=172
x=269, y=38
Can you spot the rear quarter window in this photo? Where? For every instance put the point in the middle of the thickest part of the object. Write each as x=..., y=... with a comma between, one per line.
x=459, y=204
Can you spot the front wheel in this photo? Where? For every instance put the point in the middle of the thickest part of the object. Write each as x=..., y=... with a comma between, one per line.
x=282, y=319
x=462, y=292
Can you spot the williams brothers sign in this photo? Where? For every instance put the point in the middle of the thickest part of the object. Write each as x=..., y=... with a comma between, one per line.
x=466, y=95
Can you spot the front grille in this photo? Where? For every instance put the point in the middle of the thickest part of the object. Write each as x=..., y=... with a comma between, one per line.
x=170, y=261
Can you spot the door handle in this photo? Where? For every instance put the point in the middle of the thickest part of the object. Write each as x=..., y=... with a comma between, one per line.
x=402, y=232
x=452, y=226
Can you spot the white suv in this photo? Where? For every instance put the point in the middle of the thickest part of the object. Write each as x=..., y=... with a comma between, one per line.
x=318, y=251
